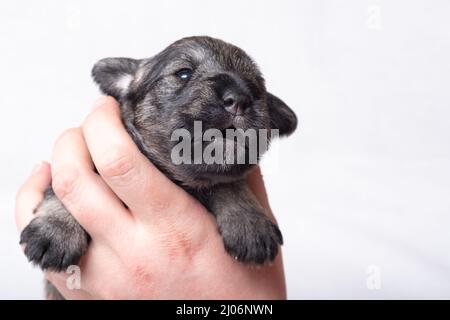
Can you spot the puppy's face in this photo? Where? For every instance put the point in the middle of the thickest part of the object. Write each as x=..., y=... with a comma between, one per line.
x=194, y=79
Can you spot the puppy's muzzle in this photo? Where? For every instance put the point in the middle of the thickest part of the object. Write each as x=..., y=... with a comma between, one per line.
x=233, y=93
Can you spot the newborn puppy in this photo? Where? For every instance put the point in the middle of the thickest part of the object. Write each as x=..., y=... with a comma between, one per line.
x=194, y=79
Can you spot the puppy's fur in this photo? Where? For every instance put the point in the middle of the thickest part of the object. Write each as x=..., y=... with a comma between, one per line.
x=155, y=100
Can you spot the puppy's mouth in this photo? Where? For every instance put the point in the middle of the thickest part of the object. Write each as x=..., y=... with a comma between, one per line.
x=230, y=151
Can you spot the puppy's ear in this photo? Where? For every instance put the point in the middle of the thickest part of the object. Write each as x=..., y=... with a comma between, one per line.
x=114, y=75
x=281, y=116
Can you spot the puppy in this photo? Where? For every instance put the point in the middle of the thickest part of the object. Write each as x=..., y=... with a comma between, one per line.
x=194, y=79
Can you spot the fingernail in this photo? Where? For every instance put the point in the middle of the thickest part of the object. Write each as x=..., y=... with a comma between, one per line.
x=37, y=167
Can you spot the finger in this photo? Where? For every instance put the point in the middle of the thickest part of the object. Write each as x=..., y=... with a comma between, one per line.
x=82, y=191
x=140, y=185
x=31, y=194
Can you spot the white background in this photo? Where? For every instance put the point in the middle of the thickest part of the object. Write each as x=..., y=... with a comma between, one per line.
x=361, y=190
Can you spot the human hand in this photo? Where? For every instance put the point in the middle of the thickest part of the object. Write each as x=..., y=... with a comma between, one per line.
x=150, y=239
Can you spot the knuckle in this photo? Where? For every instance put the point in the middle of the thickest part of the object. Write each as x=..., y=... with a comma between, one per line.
x=177, y=242
x=117, y=163
x=65, y=184
x=142, y=278
x=140, y=273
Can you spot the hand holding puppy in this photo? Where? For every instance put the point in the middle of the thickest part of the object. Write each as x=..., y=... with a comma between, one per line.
x=149, y=238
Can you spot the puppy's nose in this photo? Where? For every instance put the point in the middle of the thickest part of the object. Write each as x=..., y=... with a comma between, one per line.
x=236, y=103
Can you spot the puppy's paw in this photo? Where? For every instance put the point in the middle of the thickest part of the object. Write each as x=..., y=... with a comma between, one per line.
x=252, y=238
x=52, y=243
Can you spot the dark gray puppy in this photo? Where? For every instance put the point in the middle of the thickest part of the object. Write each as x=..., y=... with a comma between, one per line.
x=194, y=79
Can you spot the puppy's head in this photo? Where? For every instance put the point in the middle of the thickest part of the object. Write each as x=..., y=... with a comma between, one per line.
x=194, y=79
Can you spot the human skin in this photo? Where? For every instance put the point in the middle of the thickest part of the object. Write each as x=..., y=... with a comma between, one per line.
x=162, y=244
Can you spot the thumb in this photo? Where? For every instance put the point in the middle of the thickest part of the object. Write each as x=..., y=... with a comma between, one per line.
x=31, y=194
